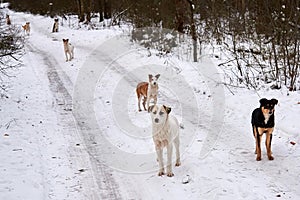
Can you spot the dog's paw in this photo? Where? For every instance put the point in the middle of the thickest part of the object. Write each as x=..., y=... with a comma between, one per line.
x=170, y=174
x=161, y=173
x=271, y=157
x=177, y=164
x=258, y=158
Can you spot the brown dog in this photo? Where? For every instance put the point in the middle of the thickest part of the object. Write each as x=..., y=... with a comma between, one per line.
x=26, y=27
x=263, y=122
x=147, y=91
x=8, y=22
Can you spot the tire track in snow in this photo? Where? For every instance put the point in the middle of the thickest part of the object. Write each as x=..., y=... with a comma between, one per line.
x=104, y=184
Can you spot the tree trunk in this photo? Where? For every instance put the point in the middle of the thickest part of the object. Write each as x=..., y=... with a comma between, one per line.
x=101, y=10
x=80, y=6
x=107, y=9
x=193, y=30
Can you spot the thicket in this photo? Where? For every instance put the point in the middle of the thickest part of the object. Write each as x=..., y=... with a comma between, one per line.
x=260, y=38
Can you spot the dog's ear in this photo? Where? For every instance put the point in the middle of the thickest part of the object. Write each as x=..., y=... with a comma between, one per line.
x=274, y=101
x=157, y=76
x=64, y=40
x=150, y=108
x=168, y=109
x=150, y=77
x=263, y=101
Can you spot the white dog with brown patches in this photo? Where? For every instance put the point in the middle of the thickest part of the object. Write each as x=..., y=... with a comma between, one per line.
x=26, y=28
x=147, y=91
x=165, y=132
x=69, y=49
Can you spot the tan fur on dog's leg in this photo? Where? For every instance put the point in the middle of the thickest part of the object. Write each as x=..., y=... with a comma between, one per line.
x=258, y=144
x=268, y=144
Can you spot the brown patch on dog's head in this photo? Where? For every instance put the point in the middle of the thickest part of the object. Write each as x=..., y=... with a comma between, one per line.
x=268, y=106
x=159, y=114
x=168, y=109
x=150, y=77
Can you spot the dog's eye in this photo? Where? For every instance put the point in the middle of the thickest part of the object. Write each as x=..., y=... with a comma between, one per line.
x=154, y=112
x=161, y=113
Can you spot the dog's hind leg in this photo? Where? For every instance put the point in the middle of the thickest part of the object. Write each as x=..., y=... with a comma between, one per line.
x=144, y=103
x=139, y=100
x=176, y=144
x=72, y=53
x=66, y=56
x=148, y=100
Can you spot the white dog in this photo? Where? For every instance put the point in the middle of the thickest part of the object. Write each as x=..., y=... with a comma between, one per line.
x=148, y=91
x=69, y=49
x=165, y=132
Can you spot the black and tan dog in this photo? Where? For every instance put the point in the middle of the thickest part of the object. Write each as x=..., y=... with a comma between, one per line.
x=55, y=26
x=263, y=122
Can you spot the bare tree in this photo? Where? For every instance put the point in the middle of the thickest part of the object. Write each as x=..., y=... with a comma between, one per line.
x=11, y=48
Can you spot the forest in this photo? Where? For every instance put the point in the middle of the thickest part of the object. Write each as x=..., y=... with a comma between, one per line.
x=265, y=31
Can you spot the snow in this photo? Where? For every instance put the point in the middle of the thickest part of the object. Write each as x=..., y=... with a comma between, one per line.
x=71, y=130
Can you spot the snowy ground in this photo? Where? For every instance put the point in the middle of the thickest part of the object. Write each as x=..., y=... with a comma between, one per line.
x=71, y=130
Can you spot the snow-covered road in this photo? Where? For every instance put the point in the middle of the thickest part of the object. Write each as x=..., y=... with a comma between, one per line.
x=71, y=130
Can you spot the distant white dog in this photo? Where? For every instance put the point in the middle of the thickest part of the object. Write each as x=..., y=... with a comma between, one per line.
x=69, y=49
x=165, y=132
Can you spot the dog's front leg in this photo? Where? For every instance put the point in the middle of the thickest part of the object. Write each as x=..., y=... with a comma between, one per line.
x=159, y=152
x=169, y=162
x=268, y=144
x=258, y=135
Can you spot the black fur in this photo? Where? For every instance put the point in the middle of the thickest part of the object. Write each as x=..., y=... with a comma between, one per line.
x=258, y=118
x=260, y=127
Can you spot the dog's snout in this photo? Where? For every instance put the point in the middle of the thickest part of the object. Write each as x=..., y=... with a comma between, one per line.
x=156, y=120
x=154, y=83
